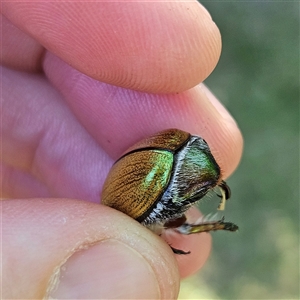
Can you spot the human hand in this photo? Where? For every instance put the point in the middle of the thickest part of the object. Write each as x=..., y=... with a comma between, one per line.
x=62, y=130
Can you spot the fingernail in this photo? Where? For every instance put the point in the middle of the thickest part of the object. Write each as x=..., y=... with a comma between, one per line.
x=108, y=270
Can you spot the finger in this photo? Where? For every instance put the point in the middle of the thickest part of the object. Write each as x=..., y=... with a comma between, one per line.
x=19, y=50
x=42, y=137
x=64, y=248
x=148, y=46
x=45, y=151
x=118, y=117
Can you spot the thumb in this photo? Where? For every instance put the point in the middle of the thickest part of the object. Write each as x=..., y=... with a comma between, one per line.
x=62, y=248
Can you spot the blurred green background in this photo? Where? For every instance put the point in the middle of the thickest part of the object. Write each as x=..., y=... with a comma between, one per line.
x=257, y=79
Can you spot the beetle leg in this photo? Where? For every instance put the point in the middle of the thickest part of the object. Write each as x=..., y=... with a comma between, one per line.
x=181, y=252
x=206, y=227
x=223, y=199
x=225, y=194
x=174, y=223
x=226, y=189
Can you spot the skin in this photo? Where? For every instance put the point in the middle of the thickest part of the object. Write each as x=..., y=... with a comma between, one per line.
x=87, y=82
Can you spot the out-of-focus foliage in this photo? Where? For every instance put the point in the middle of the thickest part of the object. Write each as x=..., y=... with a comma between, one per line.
x=257, y=79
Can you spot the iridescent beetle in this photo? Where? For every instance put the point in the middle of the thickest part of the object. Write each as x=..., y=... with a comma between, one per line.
x=159, y=178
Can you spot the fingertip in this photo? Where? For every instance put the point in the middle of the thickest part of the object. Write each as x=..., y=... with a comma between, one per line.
x=90, y=249
x=99, y=106
x=180, y=48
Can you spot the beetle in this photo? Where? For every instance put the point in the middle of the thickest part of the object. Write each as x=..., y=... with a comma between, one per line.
x=160, y=177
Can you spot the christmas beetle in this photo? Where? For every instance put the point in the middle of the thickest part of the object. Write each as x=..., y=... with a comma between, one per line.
x=159, y=178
